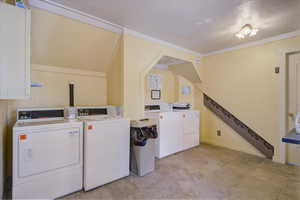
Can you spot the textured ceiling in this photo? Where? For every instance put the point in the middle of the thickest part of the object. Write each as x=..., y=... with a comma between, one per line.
x=199, y=25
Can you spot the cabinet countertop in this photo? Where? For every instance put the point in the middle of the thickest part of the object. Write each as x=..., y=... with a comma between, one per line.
x=292, y=138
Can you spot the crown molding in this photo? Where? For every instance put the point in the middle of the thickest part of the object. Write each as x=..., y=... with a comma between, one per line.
x=72, y=13
x=65, y=11
x=256, y=43
x=141, y=35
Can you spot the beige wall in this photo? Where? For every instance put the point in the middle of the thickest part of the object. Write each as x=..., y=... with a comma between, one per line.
x=115, y=76
x=60, y=41
x=139, y=57
x=183, y=82
x=243, y=81
x=90, y=90
x=63, y=42
x=168, y=92
x=187, y=70
x=171, y=90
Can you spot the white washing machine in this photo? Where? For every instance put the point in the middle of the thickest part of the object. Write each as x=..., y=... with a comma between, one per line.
x=106, y=146
x=47, y=154
x=178, y=129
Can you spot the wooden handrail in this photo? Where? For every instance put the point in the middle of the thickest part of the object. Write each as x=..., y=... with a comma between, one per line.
x=242, y=129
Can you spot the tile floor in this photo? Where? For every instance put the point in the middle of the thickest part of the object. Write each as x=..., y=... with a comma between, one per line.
x=206, y=172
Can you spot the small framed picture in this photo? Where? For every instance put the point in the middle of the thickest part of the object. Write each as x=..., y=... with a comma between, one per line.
x=155, y=94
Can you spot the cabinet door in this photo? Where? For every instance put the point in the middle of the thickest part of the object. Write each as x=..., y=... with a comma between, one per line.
x=191, y=129
x=14, y=52
x=170, y=134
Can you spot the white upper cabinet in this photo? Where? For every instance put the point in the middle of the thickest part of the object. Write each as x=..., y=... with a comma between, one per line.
x=14, y=52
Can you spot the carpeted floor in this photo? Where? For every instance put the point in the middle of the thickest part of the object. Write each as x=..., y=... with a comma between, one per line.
x=206, y=172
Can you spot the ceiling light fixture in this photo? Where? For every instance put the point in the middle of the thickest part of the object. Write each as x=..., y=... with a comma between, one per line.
x=246, y=30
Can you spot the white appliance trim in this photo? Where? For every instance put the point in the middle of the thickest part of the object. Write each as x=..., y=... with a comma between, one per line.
x=64, y=70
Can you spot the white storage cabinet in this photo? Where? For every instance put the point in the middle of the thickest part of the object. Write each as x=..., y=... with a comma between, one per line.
x=177, y=131
x=170, y=134
x=14, y=52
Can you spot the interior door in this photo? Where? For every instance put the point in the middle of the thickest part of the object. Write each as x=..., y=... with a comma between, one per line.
x=294, y=104
x=293, y=88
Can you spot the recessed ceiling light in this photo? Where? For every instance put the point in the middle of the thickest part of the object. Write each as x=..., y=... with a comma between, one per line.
x=246, y=30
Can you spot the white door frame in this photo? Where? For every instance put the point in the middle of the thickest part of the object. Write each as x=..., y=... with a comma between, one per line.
x=283, y=103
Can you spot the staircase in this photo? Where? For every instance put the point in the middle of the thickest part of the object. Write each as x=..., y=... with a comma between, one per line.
x=242, y=129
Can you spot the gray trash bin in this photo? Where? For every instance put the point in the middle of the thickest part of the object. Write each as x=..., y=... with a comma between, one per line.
x=142, y=148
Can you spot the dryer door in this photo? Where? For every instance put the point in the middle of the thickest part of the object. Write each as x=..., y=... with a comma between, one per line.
x=47, y=150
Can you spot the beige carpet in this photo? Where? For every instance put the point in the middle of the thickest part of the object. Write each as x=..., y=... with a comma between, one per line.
x=206, y=172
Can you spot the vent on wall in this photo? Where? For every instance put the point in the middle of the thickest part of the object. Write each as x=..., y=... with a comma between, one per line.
x=242, y=129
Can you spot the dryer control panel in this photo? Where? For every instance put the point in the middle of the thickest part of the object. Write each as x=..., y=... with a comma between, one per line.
x=92, y=111
x=37, y=114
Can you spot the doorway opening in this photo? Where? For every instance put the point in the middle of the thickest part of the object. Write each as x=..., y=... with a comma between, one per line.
x=289, y=104
x=170, y=80
x=293, y=104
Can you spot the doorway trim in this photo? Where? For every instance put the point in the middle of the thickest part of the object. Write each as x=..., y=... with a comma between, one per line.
x=283, y=103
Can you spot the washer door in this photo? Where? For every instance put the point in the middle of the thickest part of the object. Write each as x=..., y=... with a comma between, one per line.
x=46, y=150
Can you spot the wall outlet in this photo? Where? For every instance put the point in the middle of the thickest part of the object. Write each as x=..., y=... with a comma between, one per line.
x=218, y=132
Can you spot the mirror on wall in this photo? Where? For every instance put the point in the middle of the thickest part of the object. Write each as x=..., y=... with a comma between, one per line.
x=171, y=80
